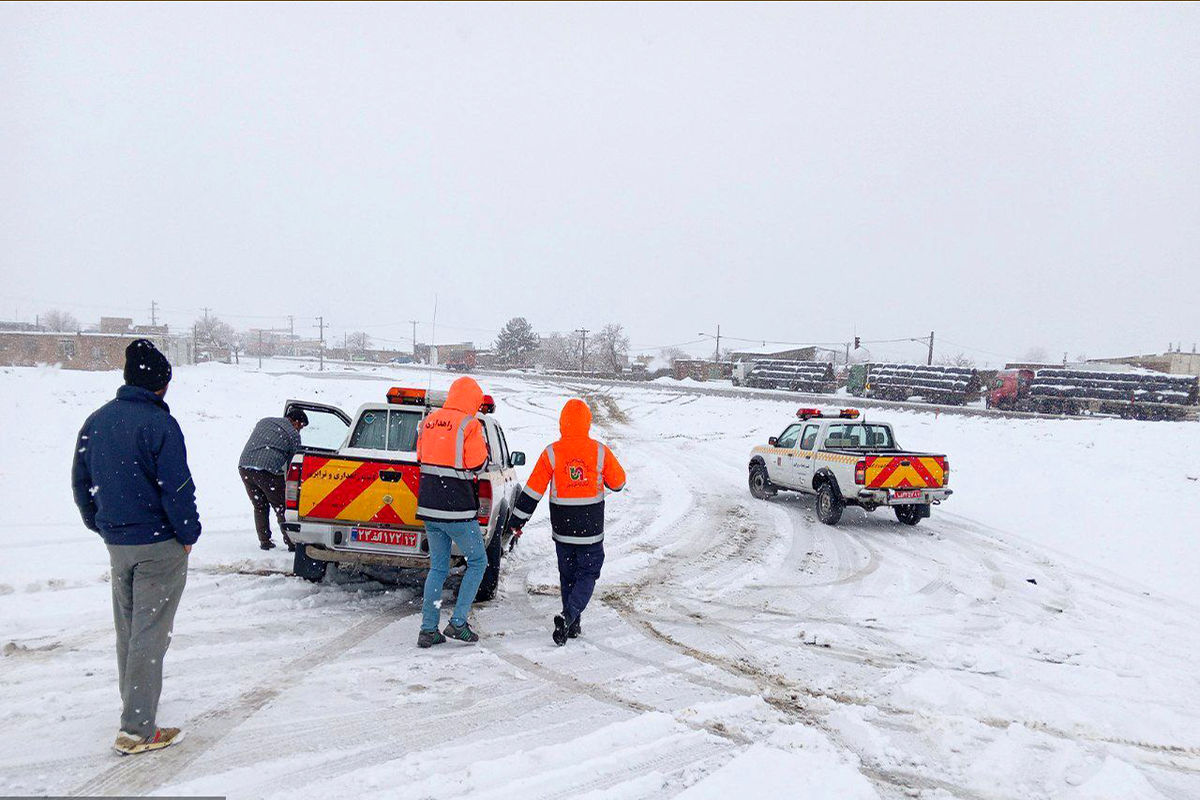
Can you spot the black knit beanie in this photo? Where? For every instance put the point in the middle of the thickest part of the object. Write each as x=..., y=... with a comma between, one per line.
x=145, y=366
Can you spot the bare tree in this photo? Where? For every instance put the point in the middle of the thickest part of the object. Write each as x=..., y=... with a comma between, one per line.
x=211, y=334
x=1035, y=355
x=957, y=360
x=612, y=347
x=358, y=342
x=672, y=354
x=58, y=321
x=559, y=351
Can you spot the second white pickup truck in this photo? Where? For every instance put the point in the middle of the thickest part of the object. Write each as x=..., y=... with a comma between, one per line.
x=845, y=460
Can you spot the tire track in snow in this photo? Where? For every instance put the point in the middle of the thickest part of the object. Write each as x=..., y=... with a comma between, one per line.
x=143, y=774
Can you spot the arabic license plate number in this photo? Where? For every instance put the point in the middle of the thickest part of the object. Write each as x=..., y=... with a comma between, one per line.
x=381, y=536
x=906, y=494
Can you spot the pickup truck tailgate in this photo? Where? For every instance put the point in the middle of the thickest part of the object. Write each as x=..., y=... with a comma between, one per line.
x=905, y=472
x=343, y=489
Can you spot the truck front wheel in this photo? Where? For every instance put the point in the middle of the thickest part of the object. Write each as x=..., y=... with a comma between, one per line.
x=829, y=504
x=760, y=485
x=491, y=575
x=308, y=568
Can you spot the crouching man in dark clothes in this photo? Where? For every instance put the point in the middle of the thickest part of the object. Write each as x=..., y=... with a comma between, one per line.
x=263, y=465
x=131, y=482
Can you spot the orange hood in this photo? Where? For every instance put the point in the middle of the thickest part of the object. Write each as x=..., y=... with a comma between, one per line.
x=575, y=420
x=464, y=395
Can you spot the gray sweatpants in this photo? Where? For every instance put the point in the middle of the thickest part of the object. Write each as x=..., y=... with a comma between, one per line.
x=147, y=582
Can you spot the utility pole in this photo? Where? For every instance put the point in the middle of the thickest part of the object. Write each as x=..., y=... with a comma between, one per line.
x=291, y=335
x=929, y=360
x=321, y=343
x=583, y=348
x=414, y=324
x=153, y=313
x=206, y=309
x=717, y=352
x=260, y=346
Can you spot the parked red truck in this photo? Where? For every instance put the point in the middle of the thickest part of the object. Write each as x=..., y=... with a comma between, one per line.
x=1074, y=392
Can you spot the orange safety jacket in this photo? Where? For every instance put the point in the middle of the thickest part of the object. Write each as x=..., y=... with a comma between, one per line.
x=578, y=471
x=451, y=450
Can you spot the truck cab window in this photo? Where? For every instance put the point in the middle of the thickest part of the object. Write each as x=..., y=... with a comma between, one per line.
x=788, y=438
x=859, y=436
x=371, y=431
x=503, y=447
x=402, y=430
x=809, y=440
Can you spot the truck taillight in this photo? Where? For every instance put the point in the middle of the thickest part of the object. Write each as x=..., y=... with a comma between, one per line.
x=291, y=487
x=945, y=473
x=485, y=501
x=860, y=473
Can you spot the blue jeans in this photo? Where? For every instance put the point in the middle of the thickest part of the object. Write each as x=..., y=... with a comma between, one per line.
x=467, y=536
x=578, y=570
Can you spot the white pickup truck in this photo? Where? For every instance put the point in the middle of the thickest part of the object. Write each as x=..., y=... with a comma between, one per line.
x=845, y=460
x=351, y=494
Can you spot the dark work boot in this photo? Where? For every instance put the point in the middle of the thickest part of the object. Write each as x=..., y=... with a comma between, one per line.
x=266, y=545
x=560, y=630
x=574, y=629
x=429, y=638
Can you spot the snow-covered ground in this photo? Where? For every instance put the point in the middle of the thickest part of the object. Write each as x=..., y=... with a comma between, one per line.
x=1037, y=638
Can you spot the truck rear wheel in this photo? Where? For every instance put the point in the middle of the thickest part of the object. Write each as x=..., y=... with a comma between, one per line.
x=760, y=485
x=911, y=515
x=491, y=575
x=308, y=568
x=829, y=504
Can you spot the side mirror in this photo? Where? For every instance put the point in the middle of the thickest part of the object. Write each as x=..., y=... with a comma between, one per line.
x=774, y=440
x=516, y=458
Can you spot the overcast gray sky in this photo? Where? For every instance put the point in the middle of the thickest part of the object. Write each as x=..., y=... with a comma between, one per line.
x=1011, y=176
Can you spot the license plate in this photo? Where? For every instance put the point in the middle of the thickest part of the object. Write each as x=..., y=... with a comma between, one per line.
x=384, y=537
x=906, y=494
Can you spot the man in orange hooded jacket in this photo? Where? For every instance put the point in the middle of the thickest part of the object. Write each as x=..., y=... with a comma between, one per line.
x=451, y=450
x=578, y=470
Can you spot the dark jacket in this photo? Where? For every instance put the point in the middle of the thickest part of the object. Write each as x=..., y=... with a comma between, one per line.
x=271, y=446
x=130, y=476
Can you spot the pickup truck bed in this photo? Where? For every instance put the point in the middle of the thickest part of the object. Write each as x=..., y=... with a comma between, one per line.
x=896, y=469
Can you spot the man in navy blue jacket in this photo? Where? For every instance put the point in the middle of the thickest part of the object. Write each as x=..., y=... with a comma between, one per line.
x=133, y=487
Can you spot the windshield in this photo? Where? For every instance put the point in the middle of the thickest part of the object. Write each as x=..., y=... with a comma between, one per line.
x=860, y=436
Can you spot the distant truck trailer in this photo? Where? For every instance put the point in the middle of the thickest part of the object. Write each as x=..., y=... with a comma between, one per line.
x=812, y=377
x=954, y=386
x=1132, y=395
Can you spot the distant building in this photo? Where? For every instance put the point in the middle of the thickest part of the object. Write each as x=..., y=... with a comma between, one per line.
x=785, y=354
x=266, y=342
x=115, y=324
x=87, y=351
x=17, y=326
x=1173, y=363
x=442, y=354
